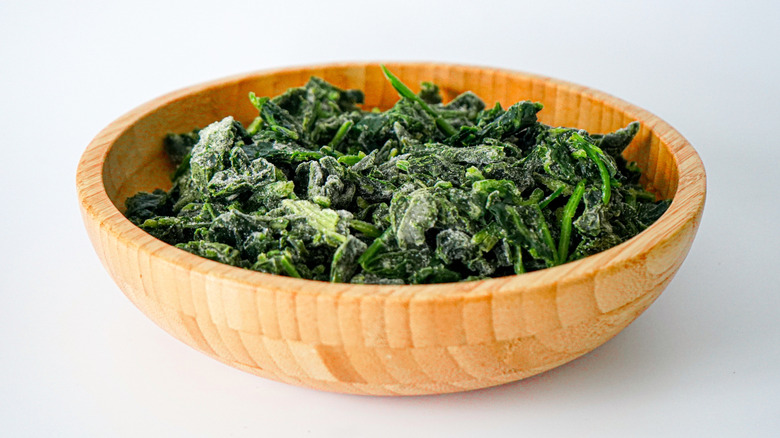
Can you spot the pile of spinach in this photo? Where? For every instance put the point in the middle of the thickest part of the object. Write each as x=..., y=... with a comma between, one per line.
x=424, y=192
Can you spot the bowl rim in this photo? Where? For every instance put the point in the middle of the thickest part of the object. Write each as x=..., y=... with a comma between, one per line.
x=686, y=207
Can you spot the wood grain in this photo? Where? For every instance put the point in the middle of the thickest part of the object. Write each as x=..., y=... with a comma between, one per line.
x=387, y=340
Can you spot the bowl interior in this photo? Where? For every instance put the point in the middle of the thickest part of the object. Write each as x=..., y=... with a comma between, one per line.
x=137, y=162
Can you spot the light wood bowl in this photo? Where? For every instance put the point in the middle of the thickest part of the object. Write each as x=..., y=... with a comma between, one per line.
x=387, y=340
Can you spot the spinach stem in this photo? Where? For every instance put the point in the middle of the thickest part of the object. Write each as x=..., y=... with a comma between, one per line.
x=404, y=91
x=374, y=248
x=366, y=228
x=551, y=198
x=606, y=189
x=288, y=266
x=546, y=235
x=519, y=267
x=568, y=215
x=343, y=130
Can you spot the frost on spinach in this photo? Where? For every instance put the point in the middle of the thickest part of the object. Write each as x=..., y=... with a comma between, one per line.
x=425, y=192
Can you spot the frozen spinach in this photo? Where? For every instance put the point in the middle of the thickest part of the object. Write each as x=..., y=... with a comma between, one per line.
x=425, y=192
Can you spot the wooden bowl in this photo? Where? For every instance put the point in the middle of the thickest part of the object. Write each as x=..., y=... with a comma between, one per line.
x=386, y=340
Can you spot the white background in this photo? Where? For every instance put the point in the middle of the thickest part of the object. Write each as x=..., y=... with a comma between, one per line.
x=77, y=359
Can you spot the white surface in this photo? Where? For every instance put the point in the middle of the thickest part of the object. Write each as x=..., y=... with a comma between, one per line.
x=78, y=359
